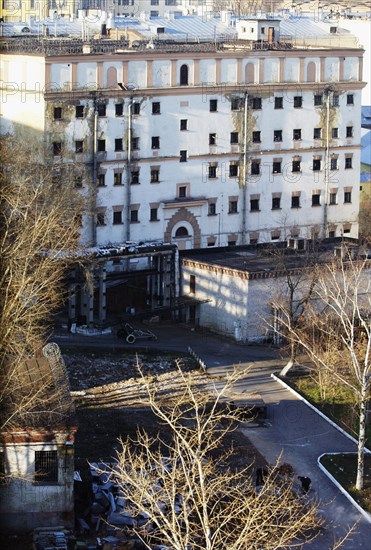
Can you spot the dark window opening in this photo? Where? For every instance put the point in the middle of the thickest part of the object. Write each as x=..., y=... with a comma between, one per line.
x=118, y=144
x=349, y=131
x=156, y=108
x=236, y=103
x=79, y=111
x=134, y=217
x=256, y=137
x=212, y=139
x=153, y=215
x=348, y=162
x=318, y=100
x=135, y=108
x=296, y=165
x=192, y=284
x=278, y=102
x=233, y=170
x=183, y=156
x=182, y=232
x=277, y=135
x=296, y=134
x=101, y=109
x=277, y=167
x=347, y=196
x=182, y=192
x=350, y=99
x=135, y=143
x=101, y=180
x=276, y=203
x=117, y=178
x=46, y=466
x=184, y=75
x=255, y=168
x=254, y=205
x=57, y=148
x=212, y=209
x=155, y=175
x=233, y=207
x=119, y=109
x=101, y=145
x=256, y=102
x=316, y=200
x=212, y=172
x=298, y=101
x=79, y=146
x=135, y=177
x=213, y=105
x=333, y=197
x=335, y=100
x=316, y=165
x=317, y=132
x=117, y=217
x=295, y=202
x=57, y=113
x=335, y=133
x=333, y=164
x=234, y=138
x=184, y=124
x=155, y=142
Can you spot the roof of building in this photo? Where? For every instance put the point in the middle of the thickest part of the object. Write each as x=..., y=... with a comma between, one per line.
x=268, y=261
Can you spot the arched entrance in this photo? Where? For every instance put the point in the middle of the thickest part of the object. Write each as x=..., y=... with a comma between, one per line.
x=183, y=230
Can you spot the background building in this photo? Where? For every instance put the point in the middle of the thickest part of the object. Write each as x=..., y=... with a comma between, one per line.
x=207, y=143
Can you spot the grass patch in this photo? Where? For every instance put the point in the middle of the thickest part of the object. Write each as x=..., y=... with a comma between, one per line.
x=343, y=468
x=338, y=404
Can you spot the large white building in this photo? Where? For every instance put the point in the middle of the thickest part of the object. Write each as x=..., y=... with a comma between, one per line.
x=198, y=144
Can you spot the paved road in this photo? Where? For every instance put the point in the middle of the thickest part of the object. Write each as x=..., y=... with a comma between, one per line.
x=292, y=429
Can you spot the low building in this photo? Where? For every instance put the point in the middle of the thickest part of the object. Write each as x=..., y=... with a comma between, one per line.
x=37, y=447
x=237, y=287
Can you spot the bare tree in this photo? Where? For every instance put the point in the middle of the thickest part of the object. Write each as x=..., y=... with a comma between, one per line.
x=186, y=486
x=335, y=332
x=40, y=213
x=298, y=279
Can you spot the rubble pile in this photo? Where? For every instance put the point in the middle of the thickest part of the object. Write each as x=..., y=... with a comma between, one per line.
x=90, y=370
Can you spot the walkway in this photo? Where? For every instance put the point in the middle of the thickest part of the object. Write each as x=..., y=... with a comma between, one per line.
x=292, y=428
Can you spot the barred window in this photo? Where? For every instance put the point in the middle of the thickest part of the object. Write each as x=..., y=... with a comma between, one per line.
x=46, y=467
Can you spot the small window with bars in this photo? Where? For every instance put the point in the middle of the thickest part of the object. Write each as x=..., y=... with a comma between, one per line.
x=46, y=467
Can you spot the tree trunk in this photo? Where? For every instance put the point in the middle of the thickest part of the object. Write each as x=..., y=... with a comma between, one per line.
x=291, y=361
x=361, y=438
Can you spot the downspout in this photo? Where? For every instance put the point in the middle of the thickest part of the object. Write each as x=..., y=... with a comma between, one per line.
x=244, y=171
x=327, y=159
x=95, y=175
x=128, y=170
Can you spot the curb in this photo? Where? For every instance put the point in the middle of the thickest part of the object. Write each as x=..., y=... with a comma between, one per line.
x=365, y=514
x=320, y=413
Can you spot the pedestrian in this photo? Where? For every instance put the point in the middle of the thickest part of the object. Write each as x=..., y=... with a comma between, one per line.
x=305, y=483
x=261, y=473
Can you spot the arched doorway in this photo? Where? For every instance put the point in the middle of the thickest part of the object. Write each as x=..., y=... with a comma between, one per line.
x=183, y=75
x=183, y=230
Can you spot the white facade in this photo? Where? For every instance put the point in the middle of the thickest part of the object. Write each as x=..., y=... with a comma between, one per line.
x=227, y=147
x=39, y=469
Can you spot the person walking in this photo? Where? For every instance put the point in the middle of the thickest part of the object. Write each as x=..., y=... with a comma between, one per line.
x=305, y=483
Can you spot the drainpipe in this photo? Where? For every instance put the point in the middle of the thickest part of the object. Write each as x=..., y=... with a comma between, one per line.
x=327, y=159
x=95, y=175
x=244, y=171
x=128, y=165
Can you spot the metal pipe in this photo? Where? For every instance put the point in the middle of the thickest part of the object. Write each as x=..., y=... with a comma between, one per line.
x=95, y=174
x=244, y=171
x=327, y=158
x=128, y=165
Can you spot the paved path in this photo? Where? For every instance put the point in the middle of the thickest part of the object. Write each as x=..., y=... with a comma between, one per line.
x=292, y=429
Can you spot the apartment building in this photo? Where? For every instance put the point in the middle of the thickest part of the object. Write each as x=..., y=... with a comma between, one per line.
x=215, y=143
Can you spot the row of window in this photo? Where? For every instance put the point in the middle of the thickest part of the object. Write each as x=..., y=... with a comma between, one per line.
x=237, y=104
x=117, y=215
x=212, y=171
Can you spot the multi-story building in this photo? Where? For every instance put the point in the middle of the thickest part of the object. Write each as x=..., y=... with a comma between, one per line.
x=198, y=144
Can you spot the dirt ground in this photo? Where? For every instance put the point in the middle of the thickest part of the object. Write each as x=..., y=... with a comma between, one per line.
x=110, y=401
